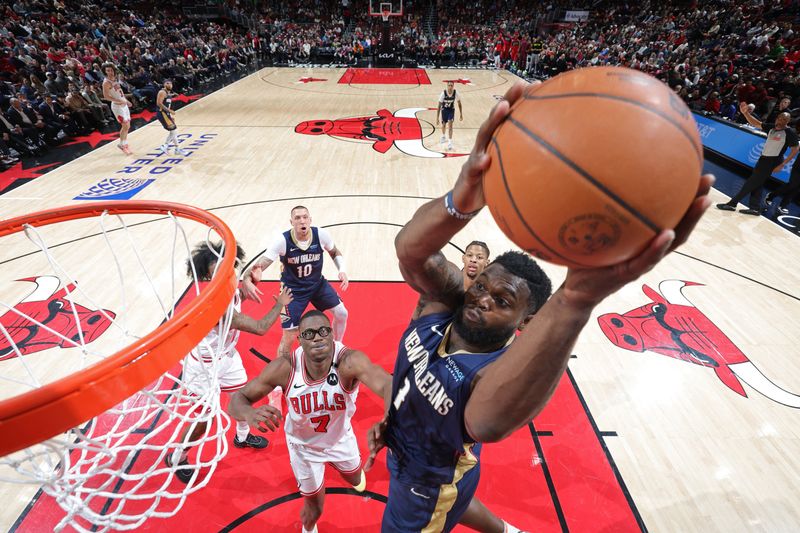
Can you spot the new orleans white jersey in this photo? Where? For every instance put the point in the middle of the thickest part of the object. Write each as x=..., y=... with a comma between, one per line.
x=318, y=420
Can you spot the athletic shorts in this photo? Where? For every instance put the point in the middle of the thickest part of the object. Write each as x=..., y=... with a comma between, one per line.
x=310, y=473
x=413, y=507
x=166, y=121
x=448, y=114
x=231, y=374
x=322, y=297
x=121, y=112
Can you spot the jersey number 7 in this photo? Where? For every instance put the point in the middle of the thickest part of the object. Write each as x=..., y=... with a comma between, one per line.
x=321, y=422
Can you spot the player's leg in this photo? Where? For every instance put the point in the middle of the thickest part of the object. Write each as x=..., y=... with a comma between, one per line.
x=346, y=459
x=479, y=518
x=125, y=124
x=233, y=377
x=325, y=298
x=311, y=482
x=290, y=319
x=450, y=132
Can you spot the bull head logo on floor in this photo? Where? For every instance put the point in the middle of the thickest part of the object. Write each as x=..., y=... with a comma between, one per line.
x=670, y=325
x=47, y=318
x=384, y=130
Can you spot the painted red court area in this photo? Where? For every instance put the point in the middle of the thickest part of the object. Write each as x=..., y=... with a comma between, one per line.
x=553, y=475
x=386, y=76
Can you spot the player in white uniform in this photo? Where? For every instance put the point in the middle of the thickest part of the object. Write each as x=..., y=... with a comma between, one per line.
x=320, y=381
x=112, y=91
x=230, y=370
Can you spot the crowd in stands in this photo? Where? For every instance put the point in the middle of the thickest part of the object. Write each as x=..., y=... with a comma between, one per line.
x=51, y=57
x=714, y=53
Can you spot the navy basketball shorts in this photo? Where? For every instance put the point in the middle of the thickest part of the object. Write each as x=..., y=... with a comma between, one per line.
x=166, y=121
x=430, y=508
x=448, y=114
x=323, y=297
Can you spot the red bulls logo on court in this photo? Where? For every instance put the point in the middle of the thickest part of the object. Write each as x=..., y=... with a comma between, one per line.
x=46, y=319
x=670, y=325
x=384, y=130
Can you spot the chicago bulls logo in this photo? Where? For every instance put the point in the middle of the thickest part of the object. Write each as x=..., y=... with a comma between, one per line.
x=384, y=130
x=47, y=318
x=670, y=325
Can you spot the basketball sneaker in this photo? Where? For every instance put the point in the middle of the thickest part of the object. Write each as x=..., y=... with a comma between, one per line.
x=750, y=211
x=181, y=151
x=123, y=148
x=726, y=207
x=252, y=441
x=164, y=149
x=450, y=145
x=184, y=474
x=127, y=149
x=444, y=139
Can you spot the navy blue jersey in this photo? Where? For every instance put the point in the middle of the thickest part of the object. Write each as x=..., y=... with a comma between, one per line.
x=302, y=267
x=449, y=100
x=430, y=389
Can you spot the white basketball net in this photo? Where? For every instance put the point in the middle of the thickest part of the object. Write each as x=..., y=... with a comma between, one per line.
x=111, y=473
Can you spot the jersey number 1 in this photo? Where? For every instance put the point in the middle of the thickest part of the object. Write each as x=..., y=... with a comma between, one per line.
x=321, y=422
x=402, y=392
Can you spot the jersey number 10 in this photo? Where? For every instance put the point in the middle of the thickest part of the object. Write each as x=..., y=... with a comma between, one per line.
x=303, y=271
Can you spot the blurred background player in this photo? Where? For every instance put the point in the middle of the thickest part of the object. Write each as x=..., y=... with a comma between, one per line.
x=447, y=108
x=231, y=373
x=166, y=117
x=475, y=259
x=112, y=91
x=321, y=379
x=301, y=253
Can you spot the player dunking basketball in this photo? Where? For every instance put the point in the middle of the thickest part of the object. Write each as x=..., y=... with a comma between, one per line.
x=447, y=108
x=231, y=373
x=321, y=384
x=166, y=117
x=112, y=91
x=301, y=253
x=462, y=376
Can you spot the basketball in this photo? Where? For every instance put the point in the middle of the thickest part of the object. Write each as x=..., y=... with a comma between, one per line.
x=591, y=165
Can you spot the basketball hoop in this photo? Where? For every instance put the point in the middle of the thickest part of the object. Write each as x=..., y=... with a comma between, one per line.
x=101, y=431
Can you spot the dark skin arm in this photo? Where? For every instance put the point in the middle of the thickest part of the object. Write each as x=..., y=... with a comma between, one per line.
x=249, y=324
x=264, y=417
x=515, y=388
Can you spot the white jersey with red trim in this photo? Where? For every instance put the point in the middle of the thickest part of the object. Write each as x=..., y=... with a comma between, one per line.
x=212, y=344
x=319, y=412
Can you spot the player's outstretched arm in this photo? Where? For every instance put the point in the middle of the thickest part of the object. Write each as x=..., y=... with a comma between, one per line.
x=244, y=322
x=252, y=276
x=355, y=365
x=516, y=387
x=420, y=242
x=264, y=417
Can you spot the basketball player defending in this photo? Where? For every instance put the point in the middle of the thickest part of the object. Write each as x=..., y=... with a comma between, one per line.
x=112, y=91
x=462, y=376
x=320, y=381
x=166, y=117
x=231, y=373
x=447, y=108
x=300, y=251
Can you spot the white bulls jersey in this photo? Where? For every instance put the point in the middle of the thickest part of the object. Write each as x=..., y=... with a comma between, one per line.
x=213, y=344
x=319, y=412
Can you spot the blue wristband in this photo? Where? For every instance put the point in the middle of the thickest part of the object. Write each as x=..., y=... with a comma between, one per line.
x=453, y=212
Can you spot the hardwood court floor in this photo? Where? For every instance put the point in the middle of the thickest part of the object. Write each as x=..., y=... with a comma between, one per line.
x=699, y=432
